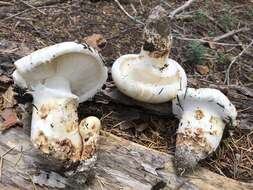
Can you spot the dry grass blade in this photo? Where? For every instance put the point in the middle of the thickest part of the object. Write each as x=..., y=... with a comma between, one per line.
x=1, y=160
x=20, y=156
x=34, y=186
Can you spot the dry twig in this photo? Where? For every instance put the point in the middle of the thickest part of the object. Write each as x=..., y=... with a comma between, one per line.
x=31, y=6
x=131, y=17
x=233, y=61
x=20, y=155
x=230, y=33
x=19, y=13
x=234, y=36
x=205, y=41
x=181, y=8
x=3, y=3
x=2, y=158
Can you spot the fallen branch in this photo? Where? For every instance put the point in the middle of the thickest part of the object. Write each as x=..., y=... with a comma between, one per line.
x=126, y=13
x=114, y=95
x=181, y=8
x=206, y=41
x=226, y=81
x=230, y=33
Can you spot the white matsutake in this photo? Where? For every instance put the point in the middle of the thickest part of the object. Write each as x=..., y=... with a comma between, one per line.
x=148, y=79
x=59, y=78
x=203, y=114
x=151, y=76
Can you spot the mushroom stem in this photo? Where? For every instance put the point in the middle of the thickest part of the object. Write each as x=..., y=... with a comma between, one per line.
x=54, y=128
x=157, y=38
x=199, y=134
x=203, y=114
x=156, y=62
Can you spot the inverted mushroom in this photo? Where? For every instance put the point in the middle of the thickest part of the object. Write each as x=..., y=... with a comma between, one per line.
x=203, y=114
x=151, y=76
x=59, y=77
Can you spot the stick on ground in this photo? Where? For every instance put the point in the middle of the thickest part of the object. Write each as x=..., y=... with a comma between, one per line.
x=126, y=13
x=227, y=78
x=31, y=6
x=230, y=33
x=181, y=8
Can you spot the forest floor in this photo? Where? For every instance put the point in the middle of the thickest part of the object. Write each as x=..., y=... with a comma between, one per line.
x=199, y=45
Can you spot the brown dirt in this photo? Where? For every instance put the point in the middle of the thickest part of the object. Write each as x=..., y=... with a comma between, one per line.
x=75, y=20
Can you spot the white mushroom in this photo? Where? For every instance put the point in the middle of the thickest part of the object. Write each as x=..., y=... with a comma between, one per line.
x=203, y=114
x=59, y=77
x=151, y=76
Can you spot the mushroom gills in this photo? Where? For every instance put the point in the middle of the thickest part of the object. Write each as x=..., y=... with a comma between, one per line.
x=59, y=77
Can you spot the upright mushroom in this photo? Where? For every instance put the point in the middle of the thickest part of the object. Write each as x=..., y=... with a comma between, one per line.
x=59, y=77
x=151, y=76
x=203, y=114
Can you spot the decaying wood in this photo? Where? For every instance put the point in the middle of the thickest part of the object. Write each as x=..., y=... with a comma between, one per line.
x=114, y=95
x=121, y=165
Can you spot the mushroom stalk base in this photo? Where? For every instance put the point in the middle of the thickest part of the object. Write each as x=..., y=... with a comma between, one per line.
x=55, y=130
x=198, y=135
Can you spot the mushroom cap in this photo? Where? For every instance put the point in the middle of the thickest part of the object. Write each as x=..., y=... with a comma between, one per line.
x=135, y=76
x=213, y=100
x=80, y=64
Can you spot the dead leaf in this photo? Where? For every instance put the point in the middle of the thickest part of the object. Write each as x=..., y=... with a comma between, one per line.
x=5, y=80
x=193, y=82
x=96, y=41
x=8, y=113
x=10, y=118
x=212, y=45
x=202, y=69
x=8, y=98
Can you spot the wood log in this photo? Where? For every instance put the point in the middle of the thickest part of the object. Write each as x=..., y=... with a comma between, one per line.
x=114, y=95
x=121, y=164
